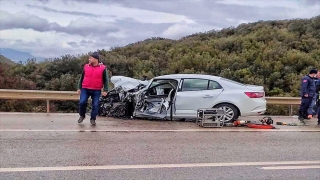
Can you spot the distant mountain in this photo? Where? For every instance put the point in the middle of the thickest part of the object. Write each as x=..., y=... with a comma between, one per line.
x=6, y=60
x=17, y=56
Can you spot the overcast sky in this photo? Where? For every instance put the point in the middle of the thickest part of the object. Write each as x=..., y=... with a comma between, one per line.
x=51, y=28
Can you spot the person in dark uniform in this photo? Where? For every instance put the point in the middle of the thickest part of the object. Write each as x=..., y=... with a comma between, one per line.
x=318, y=101
x=307, y=91
x=313, y=108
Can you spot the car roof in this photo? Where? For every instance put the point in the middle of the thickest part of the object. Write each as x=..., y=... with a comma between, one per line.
x=223, y=81
x=179, y=76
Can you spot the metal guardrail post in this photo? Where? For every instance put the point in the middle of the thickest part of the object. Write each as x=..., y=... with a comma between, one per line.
x=48, y=106
x=290, y=110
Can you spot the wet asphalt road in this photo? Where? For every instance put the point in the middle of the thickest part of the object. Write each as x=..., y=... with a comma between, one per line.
x=32, y=143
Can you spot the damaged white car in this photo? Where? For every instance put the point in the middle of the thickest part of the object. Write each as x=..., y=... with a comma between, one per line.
x=179, y=96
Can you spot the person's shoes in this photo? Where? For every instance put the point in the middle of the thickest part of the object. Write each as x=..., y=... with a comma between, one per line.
x=301, y=119
x=81, y=118
x=93, y=121
x=309, y=116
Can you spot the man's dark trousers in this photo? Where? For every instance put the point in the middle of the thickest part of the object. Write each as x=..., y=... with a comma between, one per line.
x=84, y=95
x=318, y=115
x=304, y=106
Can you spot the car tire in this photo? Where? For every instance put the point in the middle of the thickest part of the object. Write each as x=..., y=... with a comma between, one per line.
x=231, y=113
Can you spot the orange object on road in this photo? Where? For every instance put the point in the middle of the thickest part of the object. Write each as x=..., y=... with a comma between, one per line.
x=260, y=126
x=239, y=122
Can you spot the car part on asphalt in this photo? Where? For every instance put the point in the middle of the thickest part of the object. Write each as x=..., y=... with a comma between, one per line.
x=240, y=123
x=281, y=123
x=266, y=123
x=267, y=120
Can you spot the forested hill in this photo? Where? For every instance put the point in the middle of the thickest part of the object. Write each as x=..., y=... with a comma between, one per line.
x=275, y=54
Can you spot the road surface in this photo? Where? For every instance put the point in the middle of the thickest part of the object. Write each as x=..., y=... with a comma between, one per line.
x=55, y=146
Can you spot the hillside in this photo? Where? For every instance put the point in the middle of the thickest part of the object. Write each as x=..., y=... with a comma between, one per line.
x=17, y=56
x=271, y=53
x=275, y=54
x=5, y=60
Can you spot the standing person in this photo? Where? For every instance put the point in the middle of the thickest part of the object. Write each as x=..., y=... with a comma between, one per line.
x=307, y=91
x=314, y=99
x=93, y=78
x=318, y=100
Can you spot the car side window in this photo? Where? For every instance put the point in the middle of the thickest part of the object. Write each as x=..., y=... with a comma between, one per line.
x=199, y=85
x=194, y=84
x=214, y=85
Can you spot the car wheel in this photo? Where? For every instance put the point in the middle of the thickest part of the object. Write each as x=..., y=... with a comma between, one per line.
x=231, y=113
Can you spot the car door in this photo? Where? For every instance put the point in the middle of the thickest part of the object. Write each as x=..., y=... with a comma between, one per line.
x=155, y=100
x=194, y=94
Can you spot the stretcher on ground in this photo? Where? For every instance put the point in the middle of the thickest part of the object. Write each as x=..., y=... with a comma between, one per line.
x=210, y=117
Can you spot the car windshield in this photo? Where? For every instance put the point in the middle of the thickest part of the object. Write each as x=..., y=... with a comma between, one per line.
x=161, y=81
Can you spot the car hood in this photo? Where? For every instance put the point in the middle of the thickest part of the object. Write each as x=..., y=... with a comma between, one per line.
x=126, y=83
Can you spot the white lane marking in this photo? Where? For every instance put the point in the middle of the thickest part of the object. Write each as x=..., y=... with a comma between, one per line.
x=40, y=114
x=153, y=166
x=160, y=130
x=291, y=167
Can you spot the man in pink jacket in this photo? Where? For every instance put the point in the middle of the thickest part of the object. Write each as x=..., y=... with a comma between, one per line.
x=94, y=77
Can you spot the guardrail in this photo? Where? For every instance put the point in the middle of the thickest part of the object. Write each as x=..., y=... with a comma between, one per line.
x=38, y=95
x=72, y=95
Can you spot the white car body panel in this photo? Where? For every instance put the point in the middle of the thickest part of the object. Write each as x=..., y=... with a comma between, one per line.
x=188, y=102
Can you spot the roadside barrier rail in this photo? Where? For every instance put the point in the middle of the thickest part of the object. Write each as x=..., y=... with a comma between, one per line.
x=14, y=94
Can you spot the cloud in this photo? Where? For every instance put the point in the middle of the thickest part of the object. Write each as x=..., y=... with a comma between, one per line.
x=311, y=2
x=89, y=1
x=73, y=44
x=87, y=26
x=82, y=26
x=260, y=3
x=281, y=9
x=85, y=42
x=56, y=27
x=177, y=31
x=63, y=12
x=110, y=8
x=25, y=21
x=48, y=44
